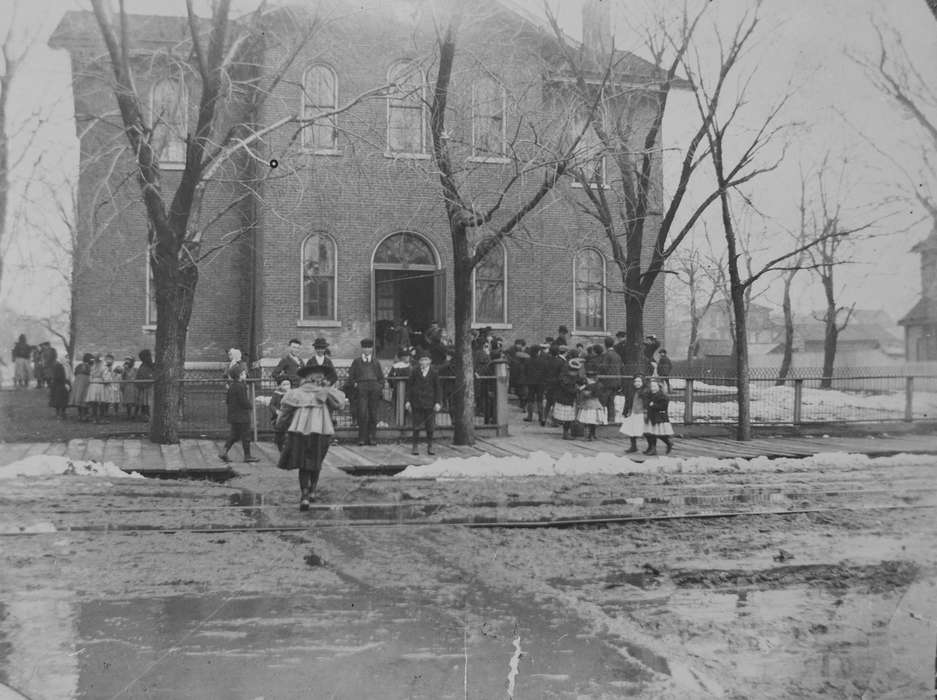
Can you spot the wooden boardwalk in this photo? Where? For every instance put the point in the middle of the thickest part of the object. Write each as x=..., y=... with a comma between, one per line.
x=200, y=457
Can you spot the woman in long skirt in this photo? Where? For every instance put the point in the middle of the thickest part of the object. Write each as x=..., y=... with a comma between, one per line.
x=79, y=393
x=305, y=414
x=632, y=422
x=59, y=386
x=657, y=423
x=128, y=389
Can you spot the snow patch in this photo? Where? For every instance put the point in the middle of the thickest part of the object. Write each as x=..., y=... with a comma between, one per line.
x=542, y=464
x=54, y=465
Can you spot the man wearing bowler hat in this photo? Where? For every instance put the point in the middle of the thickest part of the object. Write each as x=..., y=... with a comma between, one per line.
x=322, y=359
x=366, y=377
x=424, y=399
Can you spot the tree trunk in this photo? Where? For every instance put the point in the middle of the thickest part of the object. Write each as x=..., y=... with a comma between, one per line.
x=788, y=331
x=175, y=294
x=830, y=334
x=463, y=397
x=692, y=350
x=634, y=330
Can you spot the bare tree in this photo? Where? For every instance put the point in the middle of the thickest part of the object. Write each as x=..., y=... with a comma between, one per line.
x=702, y=274
x=629, y=207
x=533, y=156
x=227, y=61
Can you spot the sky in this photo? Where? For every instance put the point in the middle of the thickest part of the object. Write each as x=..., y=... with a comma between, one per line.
x=808, y=47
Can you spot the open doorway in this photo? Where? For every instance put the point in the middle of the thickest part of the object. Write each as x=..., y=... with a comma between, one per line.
x=408, y=286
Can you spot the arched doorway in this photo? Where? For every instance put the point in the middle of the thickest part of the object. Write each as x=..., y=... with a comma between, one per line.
x=408, y=284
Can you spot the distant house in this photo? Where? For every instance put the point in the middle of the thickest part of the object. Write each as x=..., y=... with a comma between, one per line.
x=811, y=337
x=920, y=323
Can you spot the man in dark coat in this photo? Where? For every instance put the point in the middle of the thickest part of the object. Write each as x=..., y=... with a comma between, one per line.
x=551, y=377
x=424, y=399
x=289, y=365
x=651, y=343
x=366, y=377
x=321, y=358
x=621, y=345
x=610, y=370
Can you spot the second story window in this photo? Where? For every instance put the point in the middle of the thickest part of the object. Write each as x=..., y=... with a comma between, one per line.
x=168, y=119
x=405, y=123
x=320, y=96
x=488, y=102
x=490, y=306
x=318, y=278
x=589, y=291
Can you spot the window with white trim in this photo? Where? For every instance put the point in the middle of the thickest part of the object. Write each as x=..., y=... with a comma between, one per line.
x=169, y=120
x=318, y=278
x=589, y=290
x=488, y=107
x=320, y=96
x=490, y=288
x=405, y=107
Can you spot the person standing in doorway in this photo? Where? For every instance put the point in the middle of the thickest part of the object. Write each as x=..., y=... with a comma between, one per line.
x=320, y=358
x=367, y=379
x=239, y=415
x=424, y=399
x=289, y=364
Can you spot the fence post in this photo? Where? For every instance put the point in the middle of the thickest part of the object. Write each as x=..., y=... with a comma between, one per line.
x=909, y=399
x=400, y=398
x=798, y=400
x=253, y=386
x=688, y=402
x=501, y=396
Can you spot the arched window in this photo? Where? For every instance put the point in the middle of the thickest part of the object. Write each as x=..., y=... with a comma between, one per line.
x=168, y=118
x=490, y=287
x=404, y=249
x=318, y=278
x=488, y=104
x=405, y=108
x=320, y=95
x=589, y=290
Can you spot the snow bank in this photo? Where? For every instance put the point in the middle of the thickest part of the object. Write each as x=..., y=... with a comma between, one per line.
x=51, y=465
x=542, y=464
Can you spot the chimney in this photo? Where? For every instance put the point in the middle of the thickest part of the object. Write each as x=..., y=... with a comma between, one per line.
x=597, y=29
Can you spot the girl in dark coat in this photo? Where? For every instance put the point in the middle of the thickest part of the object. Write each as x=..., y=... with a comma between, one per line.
x=59, y=386
x=565, y=394
x=657, y=420
x=239, y=415
x=534, y=373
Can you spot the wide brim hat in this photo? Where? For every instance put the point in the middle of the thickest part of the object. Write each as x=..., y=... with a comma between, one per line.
x=303, y=372
x=320, y=343
x=576, y=362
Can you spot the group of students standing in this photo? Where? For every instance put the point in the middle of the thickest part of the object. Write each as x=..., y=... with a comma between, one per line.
x=577, y=388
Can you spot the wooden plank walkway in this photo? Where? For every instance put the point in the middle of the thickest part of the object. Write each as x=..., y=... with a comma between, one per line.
x=201, y=456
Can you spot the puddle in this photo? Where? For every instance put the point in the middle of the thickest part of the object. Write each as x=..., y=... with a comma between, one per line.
x=325, y=644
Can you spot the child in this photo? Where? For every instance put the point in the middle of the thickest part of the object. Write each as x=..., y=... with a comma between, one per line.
x=79, y=393
x=239, y=415
x=95, y=394
x=591, y=405
x=632, y=423
x=128, y=389
x=144, y=384
x=424, y=399
x=279, y=436
x=657, y=422
x=567, y=389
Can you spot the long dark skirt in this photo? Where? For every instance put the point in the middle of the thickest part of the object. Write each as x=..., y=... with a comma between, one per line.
x=304, y=452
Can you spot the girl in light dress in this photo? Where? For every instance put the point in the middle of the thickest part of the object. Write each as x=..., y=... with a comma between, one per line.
x=591, y=405
x=95, y=396
x=633, y=422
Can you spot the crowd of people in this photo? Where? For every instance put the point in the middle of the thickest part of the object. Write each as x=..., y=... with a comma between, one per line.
x=97, y=387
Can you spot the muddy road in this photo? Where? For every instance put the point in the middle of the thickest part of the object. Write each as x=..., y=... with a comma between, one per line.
x=132, y=589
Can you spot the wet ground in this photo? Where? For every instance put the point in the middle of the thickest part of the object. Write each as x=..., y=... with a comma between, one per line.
x=136, y=589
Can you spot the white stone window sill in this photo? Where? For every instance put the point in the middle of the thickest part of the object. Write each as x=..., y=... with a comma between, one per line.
x=591, y=333
x=317, y=323
x=499, y=160
x=172, y=165
x=323, y=151
x=148, y=328
x=406, y=156
x=494, y=326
